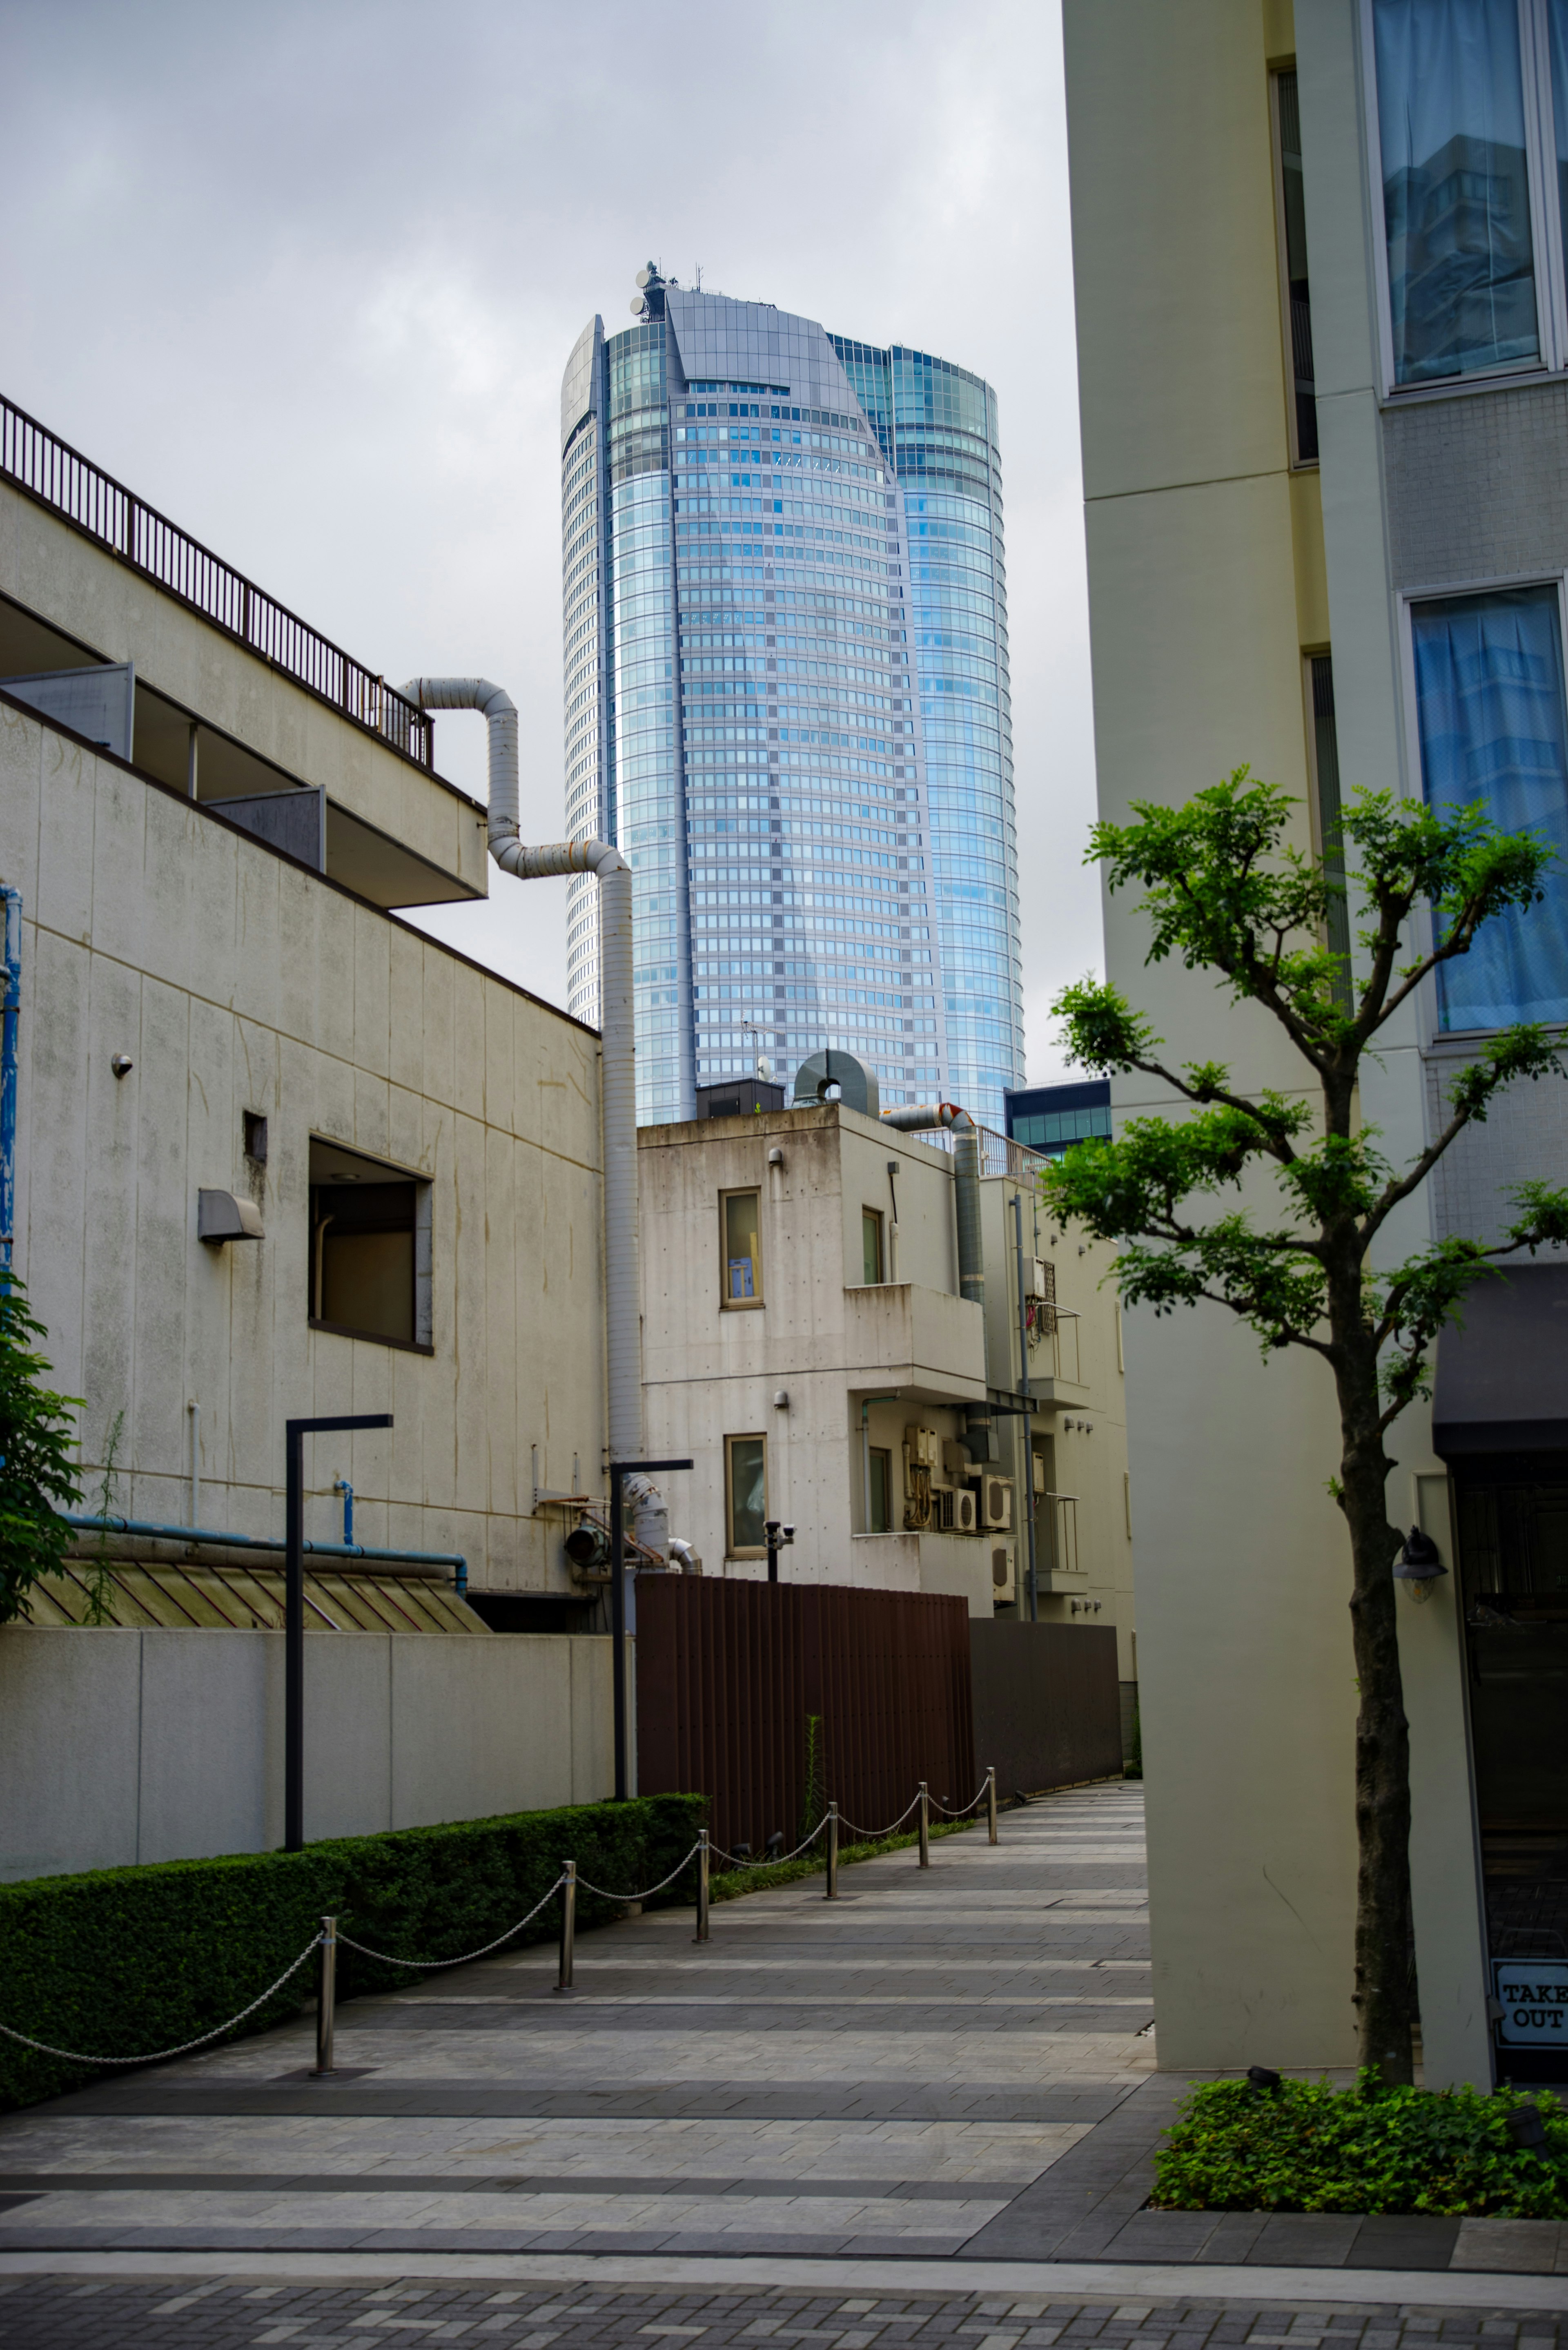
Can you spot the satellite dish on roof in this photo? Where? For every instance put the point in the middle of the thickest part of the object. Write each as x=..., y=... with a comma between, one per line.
x=638, y=306
x=646, y=277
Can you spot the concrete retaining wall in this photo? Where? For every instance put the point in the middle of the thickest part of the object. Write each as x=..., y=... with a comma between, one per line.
x=120, y=1746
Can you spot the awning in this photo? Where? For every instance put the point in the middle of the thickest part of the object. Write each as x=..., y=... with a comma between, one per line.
x=1502, y=1380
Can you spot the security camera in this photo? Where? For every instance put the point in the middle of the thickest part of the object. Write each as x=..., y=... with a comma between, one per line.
x=789, y=1533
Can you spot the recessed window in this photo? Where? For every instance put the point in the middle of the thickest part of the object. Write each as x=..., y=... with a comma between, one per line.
x=881, y=1506
x=1290, y=199
x=739, y=1241
x=1461, y=109
x=747, y=1495
x=1490, y=705
x=253, y=1128
x=871, y=1257
x=370, y=1248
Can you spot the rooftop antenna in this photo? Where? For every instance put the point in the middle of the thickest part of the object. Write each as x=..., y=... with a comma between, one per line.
x=699, y=277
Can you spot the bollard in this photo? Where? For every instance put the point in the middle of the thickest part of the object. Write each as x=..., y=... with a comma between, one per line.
x=568, y=1926
x=925, y=1827
x=701, y=1933
x=990, y=1799
x=325, y=1999
x=831, y=1893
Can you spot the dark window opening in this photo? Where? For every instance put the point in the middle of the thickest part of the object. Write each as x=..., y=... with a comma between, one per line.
x=254, y=1127
x=1331, y=841
x=1298, y=297
x=1512, y=1526
x=369, y=1227
x=880, y=1512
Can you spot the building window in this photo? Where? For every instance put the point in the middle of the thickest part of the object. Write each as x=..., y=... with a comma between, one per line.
x=1330, y=839
x=879, y=1503
x=1297, y=299
x=739, y=1241
x=1461, y=114
x=871, y=1245
x=369, y=1271
x=747, y=1495
x=1489, y=707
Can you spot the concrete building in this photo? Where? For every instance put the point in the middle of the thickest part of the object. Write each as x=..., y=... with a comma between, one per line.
x=1322, y=344
x=786, y=698
x=210, y=814
x=808, y=1344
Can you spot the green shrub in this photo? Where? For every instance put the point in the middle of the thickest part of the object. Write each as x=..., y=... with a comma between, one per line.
x=1308, y=2147
x=121, y=1961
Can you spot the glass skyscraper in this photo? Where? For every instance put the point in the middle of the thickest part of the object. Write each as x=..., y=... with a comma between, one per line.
x=787, y=690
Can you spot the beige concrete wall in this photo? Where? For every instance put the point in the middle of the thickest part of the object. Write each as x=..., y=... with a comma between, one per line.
x=237, y=981
x=1244, y=1670
x=119, y=1746
x=78, y=586
x=1213, y=568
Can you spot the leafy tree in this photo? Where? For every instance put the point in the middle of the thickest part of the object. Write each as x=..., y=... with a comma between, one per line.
x=1226, y=894
x=38, y=1477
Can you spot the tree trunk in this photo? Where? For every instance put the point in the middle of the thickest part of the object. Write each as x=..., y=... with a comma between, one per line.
x=1383, y=1986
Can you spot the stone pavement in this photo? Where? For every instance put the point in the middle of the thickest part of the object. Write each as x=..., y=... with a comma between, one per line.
x=940, y=2085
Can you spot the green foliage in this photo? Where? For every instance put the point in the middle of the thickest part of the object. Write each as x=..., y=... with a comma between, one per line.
x=1225, y=892
x=814, y=1797
x=37, y=1475
x=124, y=1960
x=1307, y=2147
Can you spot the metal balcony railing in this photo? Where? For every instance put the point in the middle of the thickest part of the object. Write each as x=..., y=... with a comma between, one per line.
x=45, y=467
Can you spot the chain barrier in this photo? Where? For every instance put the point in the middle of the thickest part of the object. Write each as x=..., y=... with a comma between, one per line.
x=75, y=2056
x=964, y=1809
x=386, y=1959
x=704, y=1852
x=684, y=1863
x=874, y=1835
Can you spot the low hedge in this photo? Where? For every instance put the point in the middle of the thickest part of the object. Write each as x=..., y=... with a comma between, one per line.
x=119, y=1961
x=1308, y=2147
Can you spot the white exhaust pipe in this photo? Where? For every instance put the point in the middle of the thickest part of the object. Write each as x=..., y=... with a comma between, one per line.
x=623, y=1294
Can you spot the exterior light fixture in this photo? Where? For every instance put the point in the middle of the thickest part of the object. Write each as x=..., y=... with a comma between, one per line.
x=1418, y=1564
x=122, y=1063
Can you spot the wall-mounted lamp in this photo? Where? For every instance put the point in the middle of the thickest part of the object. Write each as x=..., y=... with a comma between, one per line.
x=122, y=1063
x=221, y=1217
x=1418, y=1565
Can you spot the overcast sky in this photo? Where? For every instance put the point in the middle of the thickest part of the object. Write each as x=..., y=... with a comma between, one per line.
x=306, y=277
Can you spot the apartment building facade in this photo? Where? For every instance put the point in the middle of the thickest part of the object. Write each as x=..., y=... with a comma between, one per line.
x=1321, y=309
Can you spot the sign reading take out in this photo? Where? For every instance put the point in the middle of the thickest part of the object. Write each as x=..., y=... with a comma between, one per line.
x=1533, y=1996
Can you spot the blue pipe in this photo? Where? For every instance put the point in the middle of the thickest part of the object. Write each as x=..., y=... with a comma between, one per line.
x=341, y=1485
x=147, y=1530
x=8, y=1056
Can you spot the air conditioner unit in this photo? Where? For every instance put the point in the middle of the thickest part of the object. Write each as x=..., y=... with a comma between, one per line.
x=924, y=1447
x=1039, y=1275
x=965, y=1515
x=996, y=1501
x=1004, y=1575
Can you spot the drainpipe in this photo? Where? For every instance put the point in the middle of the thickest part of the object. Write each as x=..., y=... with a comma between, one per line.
x=8, y=1056
x=980, y=1438
x=623, y=1296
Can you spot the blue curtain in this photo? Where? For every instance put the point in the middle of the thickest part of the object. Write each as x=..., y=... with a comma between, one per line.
x=1557, y=19
x=1489, y=689
x=1455, y=192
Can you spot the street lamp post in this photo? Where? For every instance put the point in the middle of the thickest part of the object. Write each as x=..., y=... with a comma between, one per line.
x=618, y=1470
x=295, y=1433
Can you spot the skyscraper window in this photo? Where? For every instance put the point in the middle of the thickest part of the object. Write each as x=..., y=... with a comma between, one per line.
x=786, y=700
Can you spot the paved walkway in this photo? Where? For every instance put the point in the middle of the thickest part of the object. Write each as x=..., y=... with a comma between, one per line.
x=943, y=2081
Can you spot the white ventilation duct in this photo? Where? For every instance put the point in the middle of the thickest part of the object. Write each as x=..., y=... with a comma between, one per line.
x=623, y=1294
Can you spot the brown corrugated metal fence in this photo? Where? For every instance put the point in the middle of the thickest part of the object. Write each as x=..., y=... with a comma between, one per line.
x=728, y=1673
x=1047, y=1704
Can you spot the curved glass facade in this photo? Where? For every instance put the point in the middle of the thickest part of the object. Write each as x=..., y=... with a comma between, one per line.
x=786, y=700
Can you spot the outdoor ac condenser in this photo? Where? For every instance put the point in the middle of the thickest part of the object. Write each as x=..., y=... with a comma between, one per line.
x=1004, y=1575
x=996, y=1501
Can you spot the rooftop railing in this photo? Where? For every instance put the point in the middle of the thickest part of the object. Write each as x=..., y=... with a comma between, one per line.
x=41, y=463
x=999, y=1153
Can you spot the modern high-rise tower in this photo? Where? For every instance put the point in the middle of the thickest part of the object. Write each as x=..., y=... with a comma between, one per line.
x=786, y=700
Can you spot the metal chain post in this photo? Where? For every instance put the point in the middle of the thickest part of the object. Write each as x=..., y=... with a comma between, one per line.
x=925, y=1827
x=832, y=1894
x=325, y=1999
x=701, y=1933
x=990, y=1799
x=569, y=1924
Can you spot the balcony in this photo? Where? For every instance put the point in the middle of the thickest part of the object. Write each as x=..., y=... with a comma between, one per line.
x=925, y=1342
